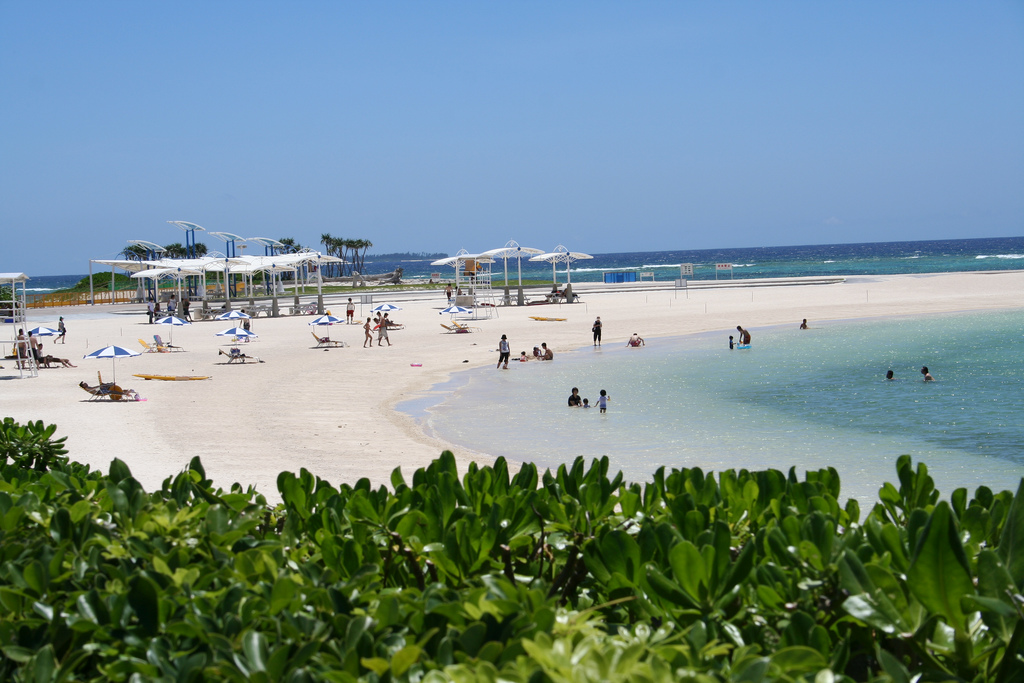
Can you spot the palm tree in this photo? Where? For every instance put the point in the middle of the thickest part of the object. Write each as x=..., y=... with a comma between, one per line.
x=175, y=250
x=290, y=245
x=201, y=250
x=364, y=245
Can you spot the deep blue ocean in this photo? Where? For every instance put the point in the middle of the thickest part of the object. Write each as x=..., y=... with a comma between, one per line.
x=877, y=258
x=874, y=258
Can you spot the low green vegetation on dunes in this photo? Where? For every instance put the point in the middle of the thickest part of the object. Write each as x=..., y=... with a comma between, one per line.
x=573, y=575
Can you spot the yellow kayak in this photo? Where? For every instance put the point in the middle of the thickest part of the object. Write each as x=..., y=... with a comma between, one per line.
x=171, y=378
x=535, y=317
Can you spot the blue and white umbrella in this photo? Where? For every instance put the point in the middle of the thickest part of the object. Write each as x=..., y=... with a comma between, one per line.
x=112, y=352
x=236, y=332
x=233, y=315
x=326, y=320
x=456, y=310
x=384, y=308
x=44, y=331
x=173, y=322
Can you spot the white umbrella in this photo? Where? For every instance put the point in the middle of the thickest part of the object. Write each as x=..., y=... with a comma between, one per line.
x=383, y=308
x=173, y=322
x=233, y=315
x=112, y=352
x=235, y=332
x=513, y=250
x=43, y=331
x=326, y=320
x=561, y=255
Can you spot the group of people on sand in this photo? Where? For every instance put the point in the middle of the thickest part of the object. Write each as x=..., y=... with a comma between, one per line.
x=381, y=323
x=32, y=344
x=504, y=349
x=575, y=401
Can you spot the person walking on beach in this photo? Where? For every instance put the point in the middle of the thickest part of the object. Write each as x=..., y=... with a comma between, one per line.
x=62, y=330
x=596, y=329
x=503, y=352
x=350, y=312
x=185, y=315
x=448, y=293
x=171, y=305
x=368, y=332
x=602, y=400
x=927, y=375
x=744, y=336
x=152, y=311
x=382, y=331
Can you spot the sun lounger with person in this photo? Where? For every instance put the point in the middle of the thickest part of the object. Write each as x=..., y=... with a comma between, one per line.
x=236, y=356
x=48, y=361
x=326, y=341
x=109, y=390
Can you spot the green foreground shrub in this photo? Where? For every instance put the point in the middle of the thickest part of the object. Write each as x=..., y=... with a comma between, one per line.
x=573, y=575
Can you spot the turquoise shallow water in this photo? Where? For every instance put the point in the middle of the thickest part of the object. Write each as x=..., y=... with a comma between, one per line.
x=808, y=399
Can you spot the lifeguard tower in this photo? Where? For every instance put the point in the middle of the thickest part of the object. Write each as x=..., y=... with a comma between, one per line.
x=472, y=282
x=13, y=313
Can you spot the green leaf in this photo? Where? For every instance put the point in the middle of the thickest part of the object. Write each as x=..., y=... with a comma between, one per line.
x=404, y=658
x=799, y=659
x=1011, y=541
x=254, y=645
x=282, y=594
x=45, y=665
x=939, y=575
x=144, y=600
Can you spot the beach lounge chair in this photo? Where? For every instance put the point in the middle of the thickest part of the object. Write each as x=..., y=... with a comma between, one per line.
x=149, y=348
x=456, y=328
x=162, y=346
x=236, y=356
x=109, y=390
x=326, y=342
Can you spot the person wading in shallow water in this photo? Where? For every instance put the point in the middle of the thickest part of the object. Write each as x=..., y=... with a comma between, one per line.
x=503, y=351
x=744, y=336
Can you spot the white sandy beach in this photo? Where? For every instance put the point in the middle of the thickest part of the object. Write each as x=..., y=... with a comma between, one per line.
x=332, y=411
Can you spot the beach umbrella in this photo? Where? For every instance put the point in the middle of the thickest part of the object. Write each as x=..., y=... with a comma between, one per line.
x=326, y=320
x=236, y=332
x=456, y=310
x=43, y=331
x=512, y=249
x=173, y=322
x=561, y=255
x=233, y=315
x=384, y=308
x=112, y=352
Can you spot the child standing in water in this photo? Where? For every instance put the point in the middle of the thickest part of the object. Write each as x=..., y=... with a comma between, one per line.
x=602, y=400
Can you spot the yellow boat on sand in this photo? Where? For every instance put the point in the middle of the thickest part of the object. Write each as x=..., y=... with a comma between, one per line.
x=537, y=317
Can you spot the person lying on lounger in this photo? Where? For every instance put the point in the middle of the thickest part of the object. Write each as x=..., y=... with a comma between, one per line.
x=45, y=361
x=236, y=354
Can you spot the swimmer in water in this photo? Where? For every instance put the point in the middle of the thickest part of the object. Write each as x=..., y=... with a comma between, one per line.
x=927, y=375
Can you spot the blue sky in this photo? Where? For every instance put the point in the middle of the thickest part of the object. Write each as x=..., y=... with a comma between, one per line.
x=435, y=126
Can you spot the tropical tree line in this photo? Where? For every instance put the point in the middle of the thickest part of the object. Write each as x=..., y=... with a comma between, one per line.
x=352, y=251
x=539, y=577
